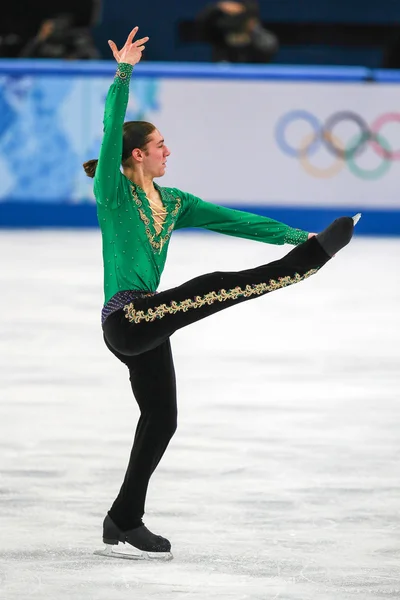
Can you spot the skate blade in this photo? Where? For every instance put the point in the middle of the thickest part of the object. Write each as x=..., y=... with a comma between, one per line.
x=356, y=218
x=131, y=553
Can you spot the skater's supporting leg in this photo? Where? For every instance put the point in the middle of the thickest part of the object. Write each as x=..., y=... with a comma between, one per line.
x=152, y=378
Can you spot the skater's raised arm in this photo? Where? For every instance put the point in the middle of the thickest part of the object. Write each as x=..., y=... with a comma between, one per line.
x=106, y=170
x=198, y=213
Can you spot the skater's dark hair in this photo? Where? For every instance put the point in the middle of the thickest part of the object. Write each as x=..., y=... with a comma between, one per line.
x=135, y=134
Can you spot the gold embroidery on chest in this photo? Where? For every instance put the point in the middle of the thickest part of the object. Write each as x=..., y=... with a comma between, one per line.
x=155, y=244
x=137, y=316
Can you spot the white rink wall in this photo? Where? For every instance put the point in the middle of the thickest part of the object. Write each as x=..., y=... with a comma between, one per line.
x=299, y=144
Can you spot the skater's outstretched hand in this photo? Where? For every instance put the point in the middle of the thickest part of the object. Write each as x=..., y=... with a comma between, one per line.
x=131, y=53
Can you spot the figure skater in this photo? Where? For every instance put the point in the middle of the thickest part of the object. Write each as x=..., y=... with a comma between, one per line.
x=137, y=218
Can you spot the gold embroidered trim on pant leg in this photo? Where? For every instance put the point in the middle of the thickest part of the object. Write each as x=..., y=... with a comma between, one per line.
x=137, y=316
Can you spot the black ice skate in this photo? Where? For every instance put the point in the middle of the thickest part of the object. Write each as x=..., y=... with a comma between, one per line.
x=338, y=234
x=140, y=543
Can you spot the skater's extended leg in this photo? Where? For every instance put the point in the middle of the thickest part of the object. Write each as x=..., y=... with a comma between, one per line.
x=148, y=321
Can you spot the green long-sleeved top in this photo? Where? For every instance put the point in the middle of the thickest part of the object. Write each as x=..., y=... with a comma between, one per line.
x=134, y=254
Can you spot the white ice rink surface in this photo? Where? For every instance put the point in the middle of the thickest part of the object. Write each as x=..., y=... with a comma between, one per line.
x=283, y=479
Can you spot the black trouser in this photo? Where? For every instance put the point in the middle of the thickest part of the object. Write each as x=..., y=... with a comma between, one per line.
x=139, y=336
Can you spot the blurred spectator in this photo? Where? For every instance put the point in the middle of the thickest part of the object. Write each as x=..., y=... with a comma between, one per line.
x=9, y=44
x=235, y=32
x=60, y=38
x=391, y=57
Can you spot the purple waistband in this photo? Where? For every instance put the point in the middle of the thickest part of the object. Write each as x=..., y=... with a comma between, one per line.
x=120, y=299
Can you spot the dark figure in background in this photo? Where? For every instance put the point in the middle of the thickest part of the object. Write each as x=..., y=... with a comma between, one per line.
x=60, y=38
x=391, y=56
x=236, y=34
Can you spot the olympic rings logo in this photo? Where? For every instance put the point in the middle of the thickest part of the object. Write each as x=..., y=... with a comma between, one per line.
x=323, y=135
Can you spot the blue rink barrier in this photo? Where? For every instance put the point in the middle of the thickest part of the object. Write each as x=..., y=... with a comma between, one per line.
x=54, y=68
x=33, y=215
x=38, y=189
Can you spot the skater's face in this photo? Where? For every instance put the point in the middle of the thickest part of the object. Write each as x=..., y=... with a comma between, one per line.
x=154, y=157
